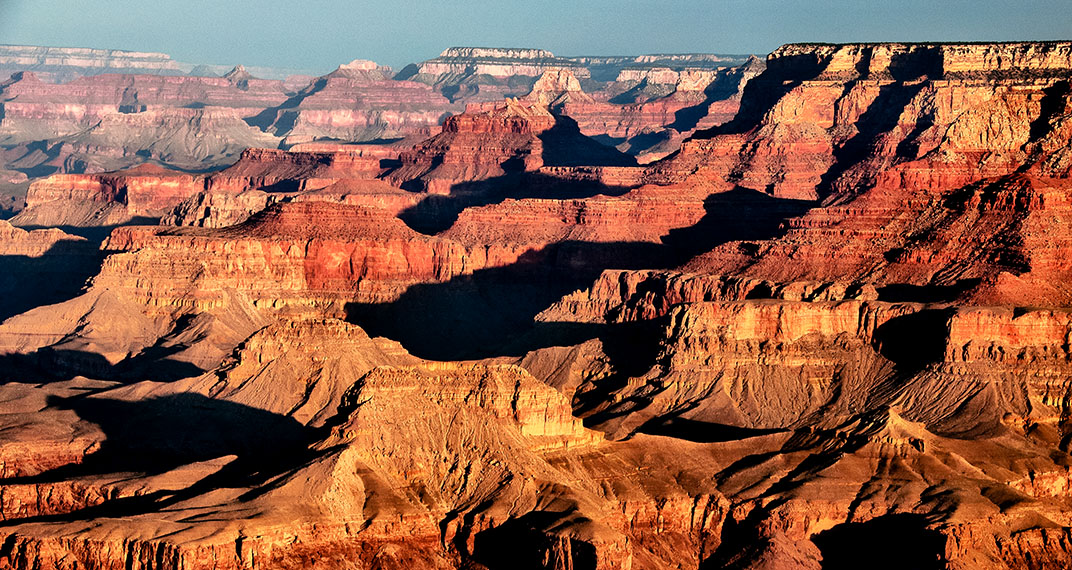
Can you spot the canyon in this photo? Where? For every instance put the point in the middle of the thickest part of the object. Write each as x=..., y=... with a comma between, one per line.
x=506, y=309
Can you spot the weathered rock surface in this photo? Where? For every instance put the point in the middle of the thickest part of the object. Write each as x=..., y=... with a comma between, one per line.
x=659, y=108
x=490, y=142
x=260, y=177
x=473, y=446
x=111, y=122
x=63, y=64
x=831, y=331
x=146, y=192
x=357, y=102
x=488, y=74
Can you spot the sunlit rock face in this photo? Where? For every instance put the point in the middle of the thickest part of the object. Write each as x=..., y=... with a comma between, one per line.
x=832, y=329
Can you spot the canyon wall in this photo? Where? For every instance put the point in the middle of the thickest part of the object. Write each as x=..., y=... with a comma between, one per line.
x=832, y=330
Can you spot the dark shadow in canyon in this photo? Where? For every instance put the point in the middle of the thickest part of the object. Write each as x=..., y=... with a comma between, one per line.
x=488, y=312
x=563, y=146
x=281, y=118
x=437, y=213
x=39, y=158
x=525, y=543
x=914, y=340
x=95, y=235
x=763, y=91
x=908, y=70
x=721, y=89
x=880, y=117
x=56, y=364
x=644, y=141
x=641, y=93
x=741, y=544
x=157, y=435
x=700, y=431
x=890, y=542
x=47, y=364
x=906, y=293
x=631, y=348
x=1052, y=106
x=59, y=274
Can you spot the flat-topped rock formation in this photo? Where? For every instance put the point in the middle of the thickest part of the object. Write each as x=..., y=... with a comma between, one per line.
x=950, y=59
x=259, y=178
x=653, y=110
x=496, y=62
x=146, y=191
x=62, y=64
x=108, y=122
x=817, y=100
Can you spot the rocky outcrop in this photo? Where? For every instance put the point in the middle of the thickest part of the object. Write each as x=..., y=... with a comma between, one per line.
x=916, y=206
x=393, y=486
x=294, y=253
x=109, y=122
x=487, y=143
x=485, y=74
x=112, y=122
x=849, y=117
x=677, y=365
x=357, y=102
x=298, y=170
x=626, y=296
x=65, y=64
x=30, y=102
x=766, y=365
x=658, y=109
x=1000, y=334
x=44, y=266
x=260, y=177
x=144, y=192
x=475, y=146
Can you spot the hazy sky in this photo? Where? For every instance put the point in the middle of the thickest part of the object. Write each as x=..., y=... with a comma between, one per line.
x=319, y=34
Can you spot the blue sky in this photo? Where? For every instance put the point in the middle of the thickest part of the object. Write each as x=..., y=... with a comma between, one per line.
x=320, y=34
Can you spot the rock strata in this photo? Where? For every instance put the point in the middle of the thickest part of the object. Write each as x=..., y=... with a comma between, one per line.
x=830, y=331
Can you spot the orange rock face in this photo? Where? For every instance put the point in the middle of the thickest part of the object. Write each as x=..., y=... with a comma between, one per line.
x=144, y=192
x=493, y=141
x=837, y=322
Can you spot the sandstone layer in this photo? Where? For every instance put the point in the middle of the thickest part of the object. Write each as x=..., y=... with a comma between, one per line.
x=831, y=331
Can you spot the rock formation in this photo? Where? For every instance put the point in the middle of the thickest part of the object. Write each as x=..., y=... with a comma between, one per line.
x=64, y=64
x=475, y=74
x=95, y=123
x=357, y=102
x=831, y=330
